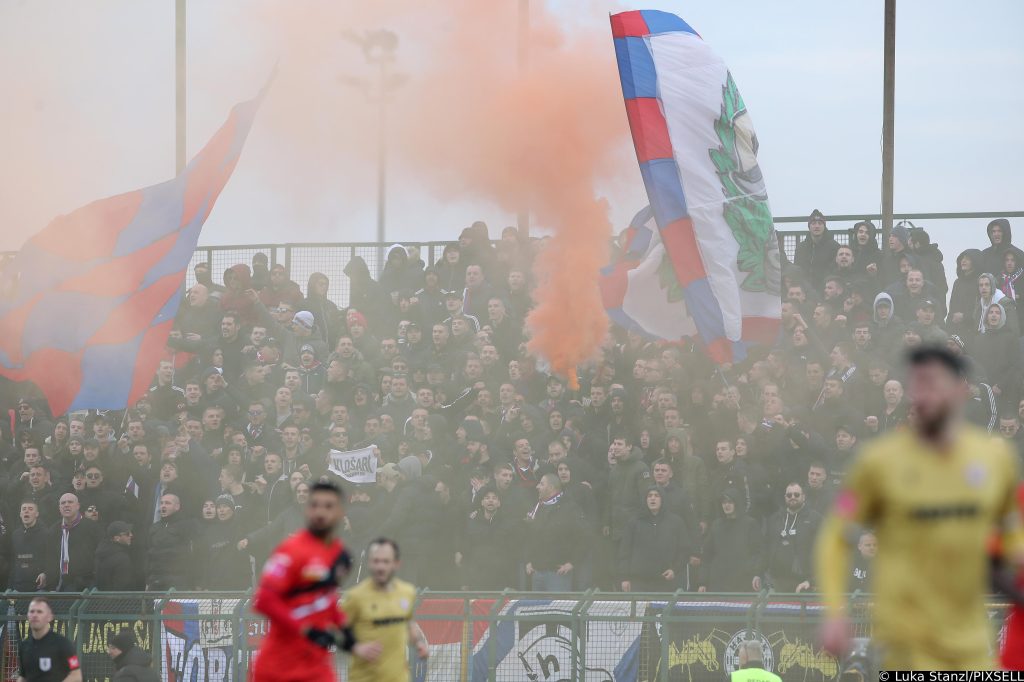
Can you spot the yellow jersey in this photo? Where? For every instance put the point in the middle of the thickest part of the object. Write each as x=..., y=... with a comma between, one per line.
x=383, y=616
x=933, y=513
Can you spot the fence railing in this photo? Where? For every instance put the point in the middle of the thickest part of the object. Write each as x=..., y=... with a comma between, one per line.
x=330, y=258
x=480, y=637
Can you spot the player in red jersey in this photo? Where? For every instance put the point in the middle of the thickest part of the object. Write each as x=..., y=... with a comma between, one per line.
x=1012, y=655
x=297, y=593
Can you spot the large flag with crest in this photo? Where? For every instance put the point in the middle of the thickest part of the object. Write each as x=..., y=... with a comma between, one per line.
x=87, y=304
x=704, y=259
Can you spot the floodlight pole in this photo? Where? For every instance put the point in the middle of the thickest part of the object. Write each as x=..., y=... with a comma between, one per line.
x=179, y=86
x=523, y=53
x=888, y=119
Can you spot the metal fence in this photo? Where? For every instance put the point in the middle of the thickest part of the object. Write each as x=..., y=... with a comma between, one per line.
x=301, y=260
x=482, y=637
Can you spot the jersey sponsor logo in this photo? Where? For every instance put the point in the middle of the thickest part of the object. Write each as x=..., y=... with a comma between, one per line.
x=45, y=664
x=382, y=622
x=73, y=662
x=944, y=512
x=315, y=572
x=277, y=565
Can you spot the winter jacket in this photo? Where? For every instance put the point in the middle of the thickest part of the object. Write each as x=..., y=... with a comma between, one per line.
x=133, y=665
x=554, y=535
x=654, y=544
x=628, y=482
x=83, y=540
x=170, y=562
x=994, y=255
x=488, y=549
x=789, y=544
x=965, y=292
x=816, y=258
x=31, y=554
x=115, y=571
x=224, y=566
x=729, y=558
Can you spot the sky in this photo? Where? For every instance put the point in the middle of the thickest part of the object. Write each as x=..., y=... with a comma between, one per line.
x=88, y=112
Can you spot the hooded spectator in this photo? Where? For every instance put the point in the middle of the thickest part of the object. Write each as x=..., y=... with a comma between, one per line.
x=399, y=273
x=131, y=663
x=816, y=253
x=731, y=549
x=280, y=290
x=1000, y=236
x=655, y=551
x=864, y=243
x=963, y=299
x=326, y=316
x=996, y=349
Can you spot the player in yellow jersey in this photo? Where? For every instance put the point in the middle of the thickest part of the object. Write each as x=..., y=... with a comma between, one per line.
x=380, y=609
x=934, y=493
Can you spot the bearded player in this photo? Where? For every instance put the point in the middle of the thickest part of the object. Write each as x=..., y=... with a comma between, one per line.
x=381, y=609
x=297, y=593
x=934, y=493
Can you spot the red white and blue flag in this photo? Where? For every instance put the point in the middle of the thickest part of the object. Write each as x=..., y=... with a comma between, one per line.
x=704, y=260
x=87, y=305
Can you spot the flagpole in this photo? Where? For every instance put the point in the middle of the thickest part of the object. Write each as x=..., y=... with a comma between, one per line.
x=523, y=54
x=888, y=119
x=179, y=85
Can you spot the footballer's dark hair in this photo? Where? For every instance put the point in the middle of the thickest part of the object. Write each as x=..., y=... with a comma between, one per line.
x=927, y=354
x=327, y=487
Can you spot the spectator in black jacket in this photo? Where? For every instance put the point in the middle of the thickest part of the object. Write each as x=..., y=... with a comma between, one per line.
x=731, y=548
x=225, y=567
x=115, y=570
x=485, y=551
x=77, y=539
x=789, y=542
x=816, y=254
x=171, y=541
x=32, y=558
x=554, y=530
x=654, y=551
x=131, y=663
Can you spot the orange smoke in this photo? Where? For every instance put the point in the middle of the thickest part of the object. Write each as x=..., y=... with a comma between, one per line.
x=470, y=125
x=545, y=137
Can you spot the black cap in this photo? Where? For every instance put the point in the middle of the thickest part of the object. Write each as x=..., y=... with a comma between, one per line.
x=117, y=528
x=816, y=215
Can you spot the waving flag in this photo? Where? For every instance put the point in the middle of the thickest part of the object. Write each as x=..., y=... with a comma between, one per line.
x=715, y=266
x=89, y=301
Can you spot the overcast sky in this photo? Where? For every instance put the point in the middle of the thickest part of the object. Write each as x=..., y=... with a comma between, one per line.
x=88, y=111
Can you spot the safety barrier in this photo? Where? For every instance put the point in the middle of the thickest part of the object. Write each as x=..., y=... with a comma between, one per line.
x=303, y=259
x=479, y=637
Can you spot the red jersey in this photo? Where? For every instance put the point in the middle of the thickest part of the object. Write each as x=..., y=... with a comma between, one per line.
x=1012, y=657
x=298, y=589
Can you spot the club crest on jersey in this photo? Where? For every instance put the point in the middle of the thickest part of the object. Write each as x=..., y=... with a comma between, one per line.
x=975, y=475
x=45, y=664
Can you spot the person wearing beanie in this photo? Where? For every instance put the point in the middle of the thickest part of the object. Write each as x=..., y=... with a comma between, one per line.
x=731, y=547
x=816, y=253
x=131, y=663
x=654, y=552
x=293, y=335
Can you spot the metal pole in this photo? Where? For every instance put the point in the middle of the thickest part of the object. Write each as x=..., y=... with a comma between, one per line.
x=888, y=117
x=382, y=161
x=523, y=216
x=179, y=85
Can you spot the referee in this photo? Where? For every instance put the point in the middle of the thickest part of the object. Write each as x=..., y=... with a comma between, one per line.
x=44, y=655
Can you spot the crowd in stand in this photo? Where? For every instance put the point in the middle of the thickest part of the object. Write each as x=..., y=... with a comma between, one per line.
x=662, y=472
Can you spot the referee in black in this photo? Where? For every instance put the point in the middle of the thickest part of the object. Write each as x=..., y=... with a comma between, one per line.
x=44, y=655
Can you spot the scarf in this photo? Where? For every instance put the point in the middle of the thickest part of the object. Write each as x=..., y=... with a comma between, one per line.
x=65, y=541
x=546, y=503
